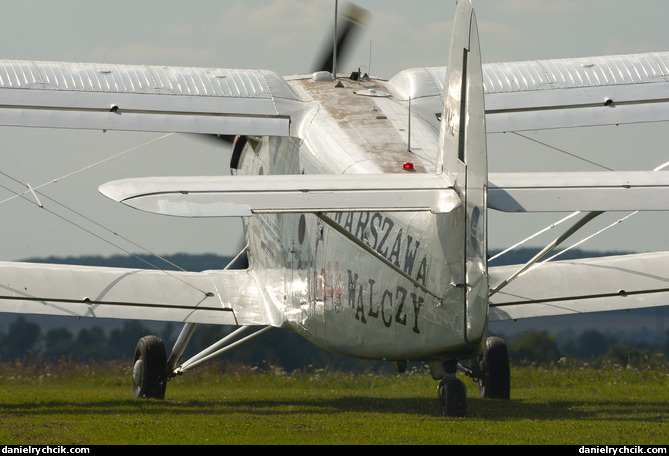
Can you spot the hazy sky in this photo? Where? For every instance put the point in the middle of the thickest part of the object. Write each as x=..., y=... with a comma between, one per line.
x=286, y=36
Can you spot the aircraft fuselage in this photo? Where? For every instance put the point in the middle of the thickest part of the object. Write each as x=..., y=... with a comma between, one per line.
x=382, y=285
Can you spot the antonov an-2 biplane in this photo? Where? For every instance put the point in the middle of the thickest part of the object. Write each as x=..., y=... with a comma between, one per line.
x=364, y=203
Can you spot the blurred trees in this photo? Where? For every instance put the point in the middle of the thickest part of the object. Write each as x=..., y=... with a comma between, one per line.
x=291, y=351
x=540, y=347
x=282, y=348
x=535, y=346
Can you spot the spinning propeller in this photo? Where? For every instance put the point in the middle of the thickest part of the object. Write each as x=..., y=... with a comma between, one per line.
x=349, y=24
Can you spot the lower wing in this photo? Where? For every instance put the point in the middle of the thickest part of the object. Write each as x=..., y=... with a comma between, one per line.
x=581, y=286
x=230, y=297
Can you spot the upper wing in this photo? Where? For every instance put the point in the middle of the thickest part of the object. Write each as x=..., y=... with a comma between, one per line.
x=147, y=98
x=562, y=93
x=581, y=286
x=518, y=96
x=231, y=297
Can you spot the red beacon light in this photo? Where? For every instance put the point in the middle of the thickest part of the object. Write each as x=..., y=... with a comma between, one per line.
x=407, y=166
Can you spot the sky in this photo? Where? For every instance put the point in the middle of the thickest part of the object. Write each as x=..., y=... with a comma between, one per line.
x=286, y=36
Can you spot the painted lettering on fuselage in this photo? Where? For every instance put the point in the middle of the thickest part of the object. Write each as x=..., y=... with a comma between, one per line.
x=389, y=306
x=383, y=235
x=365, y=299
x=368, y=298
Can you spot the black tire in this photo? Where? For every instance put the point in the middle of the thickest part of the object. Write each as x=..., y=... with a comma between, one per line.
x=496, y=380
x=453, y=398
x=149, y=372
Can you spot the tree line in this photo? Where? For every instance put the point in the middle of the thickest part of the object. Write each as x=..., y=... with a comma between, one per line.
x=24, y=338
x=290, y=351
x=541, y=347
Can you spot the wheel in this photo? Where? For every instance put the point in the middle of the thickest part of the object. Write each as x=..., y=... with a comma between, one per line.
x=149, y=371
x=495, y=382
x=453, y=397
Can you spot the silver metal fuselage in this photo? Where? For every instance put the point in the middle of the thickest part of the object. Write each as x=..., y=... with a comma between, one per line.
x=381, y=285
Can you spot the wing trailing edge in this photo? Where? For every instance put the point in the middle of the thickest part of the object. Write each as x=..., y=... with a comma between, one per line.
x=234, y=196
x=582, y=286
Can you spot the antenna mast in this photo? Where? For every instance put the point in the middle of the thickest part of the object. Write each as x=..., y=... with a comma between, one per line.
x=409, y=128
x=334, y=51
x=369, y=68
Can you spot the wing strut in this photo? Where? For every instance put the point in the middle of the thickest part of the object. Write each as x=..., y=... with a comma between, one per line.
x=222, y=346
x=529, y=238
x=549, y=248
x=189, y=328
x=558, y=241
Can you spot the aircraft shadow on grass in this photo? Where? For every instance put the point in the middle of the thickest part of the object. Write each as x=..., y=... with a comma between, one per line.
x=494, y=410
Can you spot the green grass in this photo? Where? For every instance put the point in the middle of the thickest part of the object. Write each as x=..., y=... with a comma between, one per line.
x=92, y=404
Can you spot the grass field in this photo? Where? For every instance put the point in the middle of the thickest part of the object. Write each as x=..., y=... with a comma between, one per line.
x=92, y=404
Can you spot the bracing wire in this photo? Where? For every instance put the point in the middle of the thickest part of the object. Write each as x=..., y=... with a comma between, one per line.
x=81, y=227
x=92, y=165
x=561, y=151
x=34, y=191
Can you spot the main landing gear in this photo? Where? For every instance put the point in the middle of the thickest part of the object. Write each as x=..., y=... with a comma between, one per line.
x=491, y=372
x=149, y=369
x=452, y=393
x=152, y=368
x=494, y=373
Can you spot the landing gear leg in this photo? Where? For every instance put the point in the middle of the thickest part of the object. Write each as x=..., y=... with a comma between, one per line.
x=149, y=371
x=452, y=393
